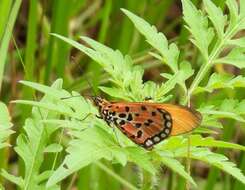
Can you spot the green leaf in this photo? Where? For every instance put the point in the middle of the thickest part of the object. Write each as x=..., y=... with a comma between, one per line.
x=138, y=156
x=62, y=103
x=177, y=167
x=242, y=10
x=219, y=81
x=121, y=69
x=5, y=125
x=198, y=26
x=179, y=142
x=185, y=72
x=44, y=176
x=240, y=42
x=170, y=53
x=233, y=8
x=115, y=92
x=83, y=151
x=52, y=148
x=216, y=16
x=236, y=57
x=56, y=93
x=7, y=37
x=218, y=160
x=228, y=108
x=32, y=143
x=211, y=121
x=48, y=106
x=167, y=86
x=16, y=180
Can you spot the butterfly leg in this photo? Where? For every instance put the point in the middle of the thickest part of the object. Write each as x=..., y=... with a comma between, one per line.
x=98, y=116
x=84, y=117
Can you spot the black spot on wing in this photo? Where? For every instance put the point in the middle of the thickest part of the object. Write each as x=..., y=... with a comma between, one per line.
x=150, y=121
x=122, y=122
x=130, y=118
x=139, y=134
x=153, y=113
x=138, y=125
x=133, y=136
x=122, y=115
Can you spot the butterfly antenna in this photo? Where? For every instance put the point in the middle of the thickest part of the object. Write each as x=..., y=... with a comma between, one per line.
x=91, y=86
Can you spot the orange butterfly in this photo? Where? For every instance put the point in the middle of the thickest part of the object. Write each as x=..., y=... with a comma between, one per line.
x=145, y=123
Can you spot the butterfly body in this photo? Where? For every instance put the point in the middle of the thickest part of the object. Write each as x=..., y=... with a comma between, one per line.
x=147, y=123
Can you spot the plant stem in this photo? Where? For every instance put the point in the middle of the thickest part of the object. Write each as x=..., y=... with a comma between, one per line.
x=117, y=177
x=188, y=162
x=209, y=62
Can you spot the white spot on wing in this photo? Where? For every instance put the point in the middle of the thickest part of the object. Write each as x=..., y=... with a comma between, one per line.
x=156, y=139
x=167, y=116
x=163, y=135
x=149, y=142
x=168, y=124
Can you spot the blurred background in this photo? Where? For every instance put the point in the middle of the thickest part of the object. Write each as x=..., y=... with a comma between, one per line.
x=33, y=54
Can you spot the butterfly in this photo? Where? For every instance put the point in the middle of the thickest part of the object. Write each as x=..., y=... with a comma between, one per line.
x=146, y=123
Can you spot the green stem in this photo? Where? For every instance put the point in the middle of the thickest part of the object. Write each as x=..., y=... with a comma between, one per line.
x=209, y=62
x=116, y=176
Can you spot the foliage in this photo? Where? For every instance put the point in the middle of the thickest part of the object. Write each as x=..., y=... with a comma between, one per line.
x=5, y=125
x=90, y=140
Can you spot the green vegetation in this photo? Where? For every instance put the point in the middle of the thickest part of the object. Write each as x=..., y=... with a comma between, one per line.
x=52, y=50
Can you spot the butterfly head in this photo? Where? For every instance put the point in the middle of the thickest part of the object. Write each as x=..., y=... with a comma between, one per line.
x=99, y=102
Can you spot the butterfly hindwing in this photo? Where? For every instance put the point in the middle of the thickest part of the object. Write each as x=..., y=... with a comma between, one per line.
x=184, y=118
x=148, y=123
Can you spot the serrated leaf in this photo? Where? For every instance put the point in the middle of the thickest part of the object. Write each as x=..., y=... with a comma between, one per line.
x=211, y=121
x=48, y=106
x=177, y=167
x=236, y=57
x=5, y=125
x=242, y=9
x=204, y=130
x=233, y=8
x=121, y=69
x=185, y=72
x=217, y=160
x=198, y=26
x=31, y=144
x=228, y=108
x=167, y=86
x=14, y=179
x=115, y=92
x=170, y=53
x=179, y=142
x=139, y=157
x=240, y=42
x=219, y=81
x=44, y=175
x=216, y=16
x=83, y=151
x=52, y=92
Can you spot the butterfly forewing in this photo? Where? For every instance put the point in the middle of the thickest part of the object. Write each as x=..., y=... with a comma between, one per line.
x=148, y=123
